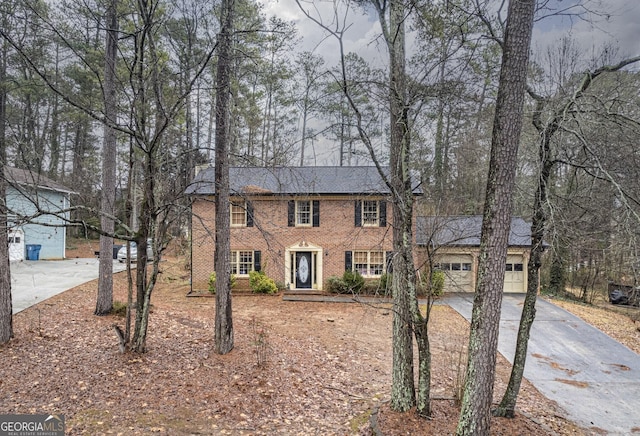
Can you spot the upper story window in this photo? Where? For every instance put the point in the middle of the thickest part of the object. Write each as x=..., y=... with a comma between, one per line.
x=241, y=214
x=370, y=213
x=303, y=213
x=238, y=214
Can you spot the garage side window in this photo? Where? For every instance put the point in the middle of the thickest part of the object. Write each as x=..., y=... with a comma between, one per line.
x=454, y=266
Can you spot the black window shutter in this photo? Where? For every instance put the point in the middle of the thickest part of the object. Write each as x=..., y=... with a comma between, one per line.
x=291, y=213
x=389, y=261
x=348, y=264
x=257, y=266
x=316, y=213
x=249, y=214
x=358, y=213
x=383, y=213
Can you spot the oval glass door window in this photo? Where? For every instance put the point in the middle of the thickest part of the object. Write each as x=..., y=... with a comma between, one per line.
x=303, y=269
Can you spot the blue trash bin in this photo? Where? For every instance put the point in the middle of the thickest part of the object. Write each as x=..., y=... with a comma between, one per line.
x=33, y=251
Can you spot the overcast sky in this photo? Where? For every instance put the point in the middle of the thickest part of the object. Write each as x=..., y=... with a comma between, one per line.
x=622, y=28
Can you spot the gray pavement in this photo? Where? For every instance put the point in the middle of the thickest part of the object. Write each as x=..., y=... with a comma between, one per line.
x=35, y=281
x=594, y=378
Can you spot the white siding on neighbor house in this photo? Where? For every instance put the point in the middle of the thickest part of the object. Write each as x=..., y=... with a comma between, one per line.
x=45, y=230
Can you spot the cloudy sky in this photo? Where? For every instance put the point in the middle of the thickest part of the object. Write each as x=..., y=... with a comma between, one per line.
x=620, y=26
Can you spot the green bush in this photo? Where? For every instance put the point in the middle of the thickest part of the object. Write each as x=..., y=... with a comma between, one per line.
x=261, y=284
x=212, y=282
x=336, y=285
x=351, y=282
x=385, y=281
x=437, y=283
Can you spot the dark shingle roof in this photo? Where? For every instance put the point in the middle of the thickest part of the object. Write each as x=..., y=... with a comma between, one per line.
x=29, y=178
x=465, y=231
x=294, y=181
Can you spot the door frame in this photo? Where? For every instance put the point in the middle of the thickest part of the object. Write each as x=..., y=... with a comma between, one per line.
x=16, y=249
x=317, y=255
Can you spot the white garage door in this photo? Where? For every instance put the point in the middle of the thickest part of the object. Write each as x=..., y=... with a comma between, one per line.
x=458, y=270
x=16, y=245
x=514, y=274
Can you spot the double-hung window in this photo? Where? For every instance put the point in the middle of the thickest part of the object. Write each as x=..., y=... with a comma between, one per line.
x=241, y=262
x=241, y=214
x=303, y=213
x=368, y=263
x=238, y=214
x=370, y=213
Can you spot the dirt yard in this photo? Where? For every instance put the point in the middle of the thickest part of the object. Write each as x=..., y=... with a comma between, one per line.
x=327, y=369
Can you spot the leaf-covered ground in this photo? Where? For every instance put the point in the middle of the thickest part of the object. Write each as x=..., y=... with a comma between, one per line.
x=327, y=369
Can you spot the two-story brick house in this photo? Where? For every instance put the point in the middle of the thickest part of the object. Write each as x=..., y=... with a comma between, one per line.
x=300, y=225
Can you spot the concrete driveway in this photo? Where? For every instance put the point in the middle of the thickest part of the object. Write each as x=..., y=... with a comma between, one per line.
x=35, y=281
x=593, y=377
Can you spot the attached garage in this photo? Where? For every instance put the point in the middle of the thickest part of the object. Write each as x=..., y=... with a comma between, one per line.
x=458, y=270
x=514, y=276
x=454, y=244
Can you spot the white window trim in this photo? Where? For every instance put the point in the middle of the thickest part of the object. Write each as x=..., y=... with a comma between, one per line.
x=353, y=262
x=234, y=260
x=243, y=205
x=362, y=212
x=297, y=216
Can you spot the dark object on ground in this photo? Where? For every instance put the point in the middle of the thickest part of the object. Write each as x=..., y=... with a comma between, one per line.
x=623, y=294
x=618, y=297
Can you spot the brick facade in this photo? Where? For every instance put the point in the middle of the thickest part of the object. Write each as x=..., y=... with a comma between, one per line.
x=278, y=242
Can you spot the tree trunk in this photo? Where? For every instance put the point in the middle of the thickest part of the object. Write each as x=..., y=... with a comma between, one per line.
x=6, y=307
x=423, y=404
x=508, y=404
x=475, y=414
x=403, y=388
x=223, y=319
x=54, y=148
x=104, y=301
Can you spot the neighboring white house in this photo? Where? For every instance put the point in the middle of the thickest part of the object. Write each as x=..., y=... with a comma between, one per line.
x=38, y=208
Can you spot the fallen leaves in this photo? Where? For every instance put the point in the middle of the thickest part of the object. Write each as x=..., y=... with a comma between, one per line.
x=328, y=367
